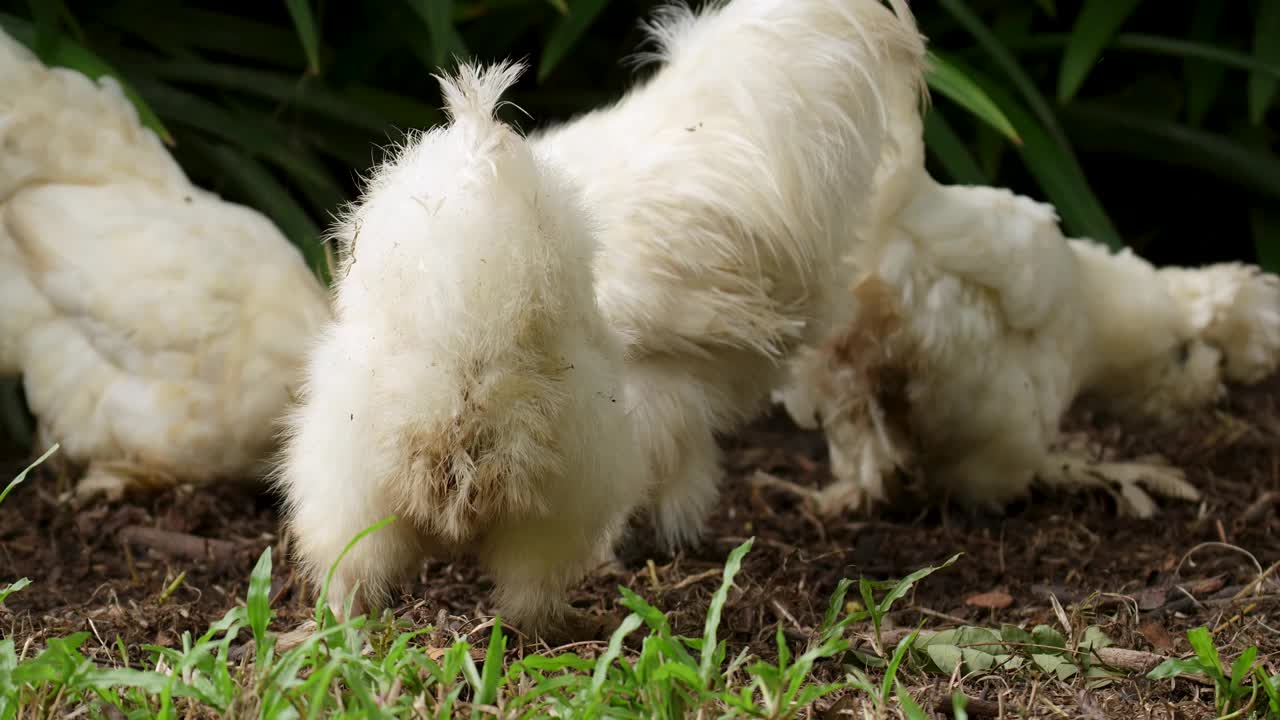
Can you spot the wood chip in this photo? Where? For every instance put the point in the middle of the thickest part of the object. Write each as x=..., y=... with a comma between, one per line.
x=994, y=600
x=1157, y=635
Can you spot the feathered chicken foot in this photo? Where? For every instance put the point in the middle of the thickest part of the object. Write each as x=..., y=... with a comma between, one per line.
x=839, y=497
x=117, y=478
x=1076, y=468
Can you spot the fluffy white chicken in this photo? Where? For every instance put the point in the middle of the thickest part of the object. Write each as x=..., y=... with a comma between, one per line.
x=468, y=384
x=974, y=326
x=157, y=328
x=724, y=185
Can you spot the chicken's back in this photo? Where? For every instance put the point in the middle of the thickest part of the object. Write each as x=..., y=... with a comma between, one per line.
x=723, y=183
x=175, y=328
x=58, y=125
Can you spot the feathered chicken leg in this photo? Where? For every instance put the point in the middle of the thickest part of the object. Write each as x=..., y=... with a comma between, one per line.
x=1073, y=466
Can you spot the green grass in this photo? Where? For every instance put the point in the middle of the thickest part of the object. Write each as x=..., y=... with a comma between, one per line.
x=1244, y=690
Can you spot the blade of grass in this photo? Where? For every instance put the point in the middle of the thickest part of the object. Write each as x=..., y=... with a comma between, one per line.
x=67, y=53
x=445, y=41
x=731, y=567
x=1266, y=48
x=1097, y=23
x=17, y=480
x=305, y=23
x=258, y=605
x=945, y=145
x=944, y=77
x=566, y=33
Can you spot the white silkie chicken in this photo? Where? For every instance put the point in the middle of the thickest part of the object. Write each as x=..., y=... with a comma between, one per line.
x=158, y=329
x=724, y=185
x=974, y=325
x=468, y=384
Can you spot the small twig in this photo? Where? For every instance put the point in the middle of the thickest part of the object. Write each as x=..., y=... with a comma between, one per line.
x=1259, y=507
x=974, y=707
x=705, y=575
x=177, y=544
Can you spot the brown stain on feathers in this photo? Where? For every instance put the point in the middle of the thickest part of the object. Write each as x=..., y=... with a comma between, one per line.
x=492, y=457
x=863, y=350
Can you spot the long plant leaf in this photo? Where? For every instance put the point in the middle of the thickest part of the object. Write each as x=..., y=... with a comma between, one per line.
x=446, y=43
x=1097, y=23
x=1054, y=166
x=945, y=144
x=566, y=33
x=305, y=23
x=1266, y=49
x=944, y=77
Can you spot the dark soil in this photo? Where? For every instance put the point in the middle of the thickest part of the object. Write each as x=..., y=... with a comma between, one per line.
x=1144, y=582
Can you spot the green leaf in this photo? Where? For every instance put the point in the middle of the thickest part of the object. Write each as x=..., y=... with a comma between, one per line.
x=68, y=54
x=944, y=144
x=1174, y=667
x=195, y=29
x=1202, y=642
x=910, y=707
x=718, y=599
x=446, y=43
x=1096, y=24
x=258, y=603
x=600, y=672
x=946, y=657
x=959, y=701
x=1015, y=634
x=1265, y=224
x=1242, y=668
x=944, y=77
x=1204, y=78
x=48, y=32
x=1059, y=175
x=1050, y=8
x=1266, y=49
x=491, y=675
x=305, y=23
x=1046, y=636
x=566, y=33
x=1009, y=65
x=12, y=588
x=23, y=475
x=903, y=586
x=306, y=94
x=891, y=672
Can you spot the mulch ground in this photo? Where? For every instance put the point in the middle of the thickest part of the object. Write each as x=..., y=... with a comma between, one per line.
x=107, y=569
